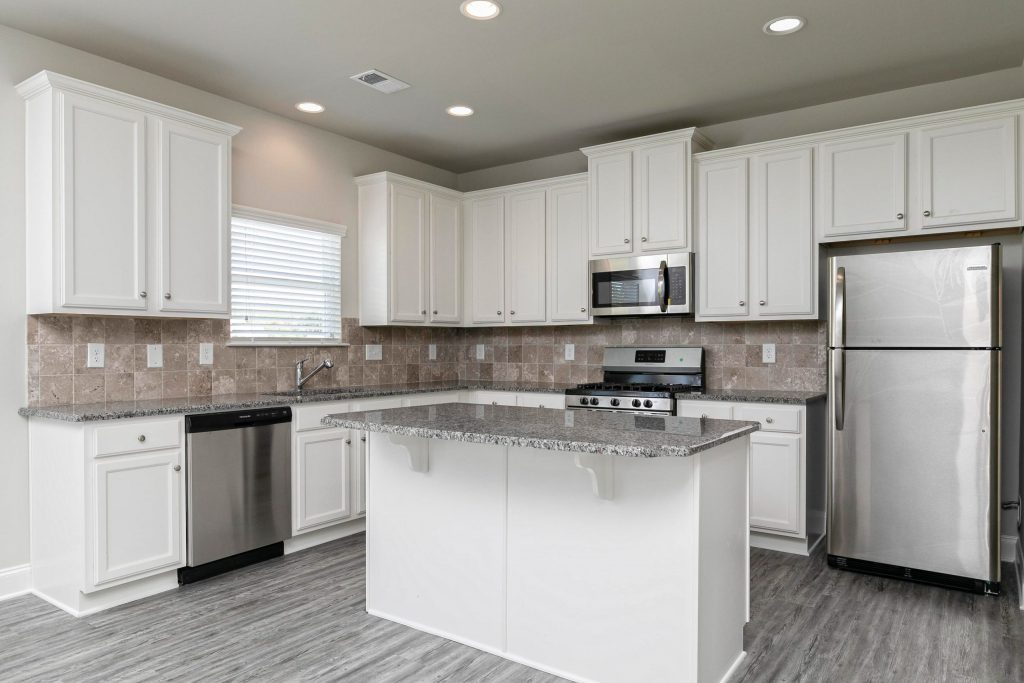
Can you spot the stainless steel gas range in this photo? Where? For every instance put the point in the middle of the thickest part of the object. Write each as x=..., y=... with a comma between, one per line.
x=642, y=380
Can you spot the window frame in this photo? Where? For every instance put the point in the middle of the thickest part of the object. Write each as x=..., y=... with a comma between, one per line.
x=289, y=221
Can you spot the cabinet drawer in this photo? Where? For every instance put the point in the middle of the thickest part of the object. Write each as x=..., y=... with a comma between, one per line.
x=309, y=416
x=715, y=411
x=540, y=400
x=135, y=436
x=772, y=418
x=431, y=399
x=497, y=398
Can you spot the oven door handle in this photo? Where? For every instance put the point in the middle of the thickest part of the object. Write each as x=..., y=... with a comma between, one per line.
x=663, y=286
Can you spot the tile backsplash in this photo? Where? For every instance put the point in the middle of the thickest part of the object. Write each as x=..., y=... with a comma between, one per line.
x=57, y=371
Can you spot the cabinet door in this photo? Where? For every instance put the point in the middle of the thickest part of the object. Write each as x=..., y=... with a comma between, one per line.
x=969, y=173
x=445, y=266
x=863, y=186
x=194, y=218
x=525, y=257
x=102, y=193
x=722, y=221
x=408, y=254
x=782, y=233
x=359, y=440
x=486, y=225
x=660, y=183
x=611, y=204
x=775, y=482
x=323, y=485
x=568, y=267
x=137, y=508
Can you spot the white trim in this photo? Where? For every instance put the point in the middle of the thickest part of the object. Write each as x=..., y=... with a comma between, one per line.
x=286, y=219
x=1018, y=565
x=37, y=84
x=315, y=537
x=1007, y=548
x=684, y=134
x=284, y=342
x=735, y=666
x=15, y=581
x=389, y=177
x=543, y=183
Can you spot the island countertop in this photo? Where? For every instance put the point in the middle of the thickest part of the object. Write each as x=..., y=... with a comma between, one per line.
x=622, y=434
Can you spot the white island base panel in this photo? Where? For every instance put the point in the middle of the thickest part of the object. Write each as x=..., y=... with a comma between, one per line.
x=591, y=567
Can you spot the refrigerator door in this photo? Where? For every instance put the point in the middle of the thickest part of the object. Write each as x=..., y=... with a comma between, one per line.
x=914, y=466
x=937, y=298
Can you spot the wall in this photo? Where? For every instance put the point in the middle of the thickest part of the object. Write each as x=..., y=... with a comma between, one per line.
x=279, y=165
x=996, y=86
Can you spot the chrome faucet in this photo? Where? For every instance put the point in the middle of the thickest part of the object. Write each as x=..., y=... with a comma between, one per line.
x=300, y=381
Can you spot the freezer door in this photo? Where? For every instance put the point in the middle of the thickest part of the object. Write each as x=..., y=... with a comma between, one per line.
x=914, y=467
x=945, y=298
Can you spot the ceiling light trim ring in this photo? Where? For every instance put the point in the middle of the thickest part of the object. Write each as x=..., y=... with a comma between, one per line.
x=480, y=10
x=788, y=28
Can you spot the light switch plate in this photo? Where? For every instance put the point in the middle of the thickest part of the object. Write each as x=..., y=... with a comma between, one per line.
x=154, y=355
x=570, y=352
x=432, y=351
x=95, y=356
x=374, y=352
x=206, y=354
x=767, y=353
x=479, y=351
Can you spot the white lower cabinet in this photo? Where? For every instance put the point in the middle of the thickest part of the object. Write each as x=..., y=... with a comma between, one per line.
x=787, y=469
x=323, y=487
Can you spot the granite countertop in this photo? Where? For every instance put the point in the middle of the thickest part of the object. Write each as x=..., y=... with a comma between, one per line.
x=622, y=434
x=89, y=412
x=756, y=396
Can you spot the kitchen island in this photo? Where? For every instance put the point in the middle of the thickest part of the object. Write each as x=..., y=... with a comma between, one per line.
x=594, y=546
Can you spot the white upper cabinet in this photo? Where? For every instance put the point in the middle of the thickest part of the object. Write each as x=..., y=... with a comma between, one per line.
x=640, y=194
x=485, y=234
x=723, y=231
x=525, y=263
x=445, y=260
x=969, y=172
x=862, y=185
x=568, y=272
x=127, y=202
x=194, y=207
x=782, y=233
x=410, y=252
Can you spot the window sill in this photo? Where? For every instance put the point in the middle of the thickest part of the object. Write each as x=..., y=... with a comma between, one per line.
x=286, y=343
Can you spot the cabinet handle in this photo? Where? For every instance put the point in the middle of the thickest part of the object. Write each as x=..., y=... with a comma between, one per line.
x=762, y=302
x=167, y=295
x=899, y=216
x=142, y=294
x=743, y=303
x=626, y=241
x=142, y=438
x=927, y=213
x=348, y=442
x=769, y=420
x=177, y=468
x=362, y=438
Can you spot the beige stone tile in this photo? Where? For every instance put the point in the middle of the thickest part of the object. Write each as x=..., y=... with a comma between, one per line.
x=149, y=385
x=175, y=357
x=32, y=360
x=148, y=331
x=31, y=329
x=247, y=381
x=221, y=331
x=224, y=382
x=245, y=358
x=54, y=329
x=711, y=333
x=174, y=331
x=56, y=359
x=175, y=384
x=119, y=358
x=223, y=357
x=267, y=379
x=56, y=390
x=88, y=329
x=756, y=378
x=732, y=378
x=81, y=360
x=119, y=330
x=199, y=331
x=200, y=382
x=119, y=386
x=89, y=388
x=733, y=355
x=805, y=332
x=285, y=379
x=355, y=374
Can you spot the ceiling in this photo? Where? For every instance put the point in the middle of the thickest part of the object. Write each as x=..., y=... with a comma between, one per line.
x=546, y=76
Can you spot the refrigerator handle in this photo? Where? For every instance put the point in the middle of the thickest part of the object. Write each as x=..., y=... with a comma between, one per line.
x=839, y=387
x=839, y=309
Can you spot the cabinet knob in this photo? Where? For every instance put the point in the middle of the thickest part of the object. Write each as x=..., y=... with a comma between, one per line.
x=423, y=312
x=626, y=241
x=167, y=295
x=512, y=312
x=435, y=312
x=177, y=468
x=142, y=438
x=499, y=312
x=142, y=294
x=927, y=213
x=704, y=416
x=743, y=303
x=494, y=403
x=583, y=310
x=762, y=302
x=769, y=420
x=348, y=442
x=362, y=438
x=899, y=216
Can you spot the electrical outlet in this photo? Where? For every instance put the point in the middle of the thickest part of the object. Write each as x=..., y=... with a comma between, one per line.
x=206, y=354
x=479, y=351
x=154, y=355
x=432, y=351
x=374, y=352
x=95, y=356
x=570, y=352
x=767, y=353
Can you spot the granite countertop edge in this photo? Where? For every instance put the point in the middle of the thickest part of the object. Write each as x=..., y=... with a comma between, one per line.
x=782, y=397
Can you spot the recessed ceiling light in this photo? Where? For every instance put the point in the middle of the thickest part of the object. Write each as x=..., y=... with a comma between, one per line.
x=784, y=25
x=480, y=9
x=310, y=107
x=459, y=110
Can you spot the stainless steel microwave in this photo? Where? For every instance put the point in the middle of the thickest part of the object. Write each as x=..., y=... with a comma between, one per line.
x=642, y=285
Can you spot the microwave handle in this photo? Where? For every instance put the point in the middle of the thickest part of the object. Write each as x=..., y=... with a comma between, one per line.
x=663, y=286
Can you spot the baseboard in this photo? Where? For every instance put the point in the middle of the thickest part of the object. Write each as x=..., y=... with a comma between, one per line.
x=735, y=666
x=782, y=544
x=1007, y=548
x=15, y=581
x=318, y=536
x=1018, y=564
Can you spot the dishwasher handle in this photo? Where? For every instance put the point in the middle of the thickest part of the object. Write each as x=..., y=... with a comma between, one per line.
x=236, y=419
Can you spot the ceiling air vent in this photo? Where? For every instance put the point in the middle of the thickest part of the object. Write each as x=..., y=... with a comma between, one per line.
x=378, y=80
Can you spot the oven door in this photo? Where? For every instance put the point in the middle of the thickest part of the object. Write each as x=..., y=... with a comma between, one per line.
x=642, y=285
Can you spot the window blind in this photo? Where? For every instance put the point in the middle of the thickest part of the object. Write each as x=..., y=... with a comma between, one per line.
x=285, y=283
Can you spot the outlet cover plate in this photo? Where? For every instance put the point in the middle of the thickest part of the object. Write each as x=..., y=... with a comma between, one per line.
x=432, y=351
x=374, y=352
x=767, y=353
x=95, y=354
x=154, y=355
x=570, y=352
x=206, y=354
x=479, y=351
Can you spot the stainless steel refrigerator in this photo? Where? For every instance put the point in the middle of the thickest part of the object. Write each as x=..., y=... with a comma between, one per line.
x=914, y=363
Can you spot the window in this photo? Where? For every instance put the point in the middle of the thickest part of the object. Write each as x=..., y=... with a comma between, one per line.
x=285, y=279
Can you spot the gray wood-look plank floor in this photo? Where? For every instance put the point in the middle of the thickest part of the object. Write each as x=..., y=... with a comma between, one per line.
x=301, y=618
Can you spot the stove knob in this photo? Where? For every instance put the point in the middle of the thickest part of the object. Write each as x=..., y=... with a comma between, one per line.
x=583, y=401
x=615, y=401
x=636, y=403
x=593, y=401
x=648, y=403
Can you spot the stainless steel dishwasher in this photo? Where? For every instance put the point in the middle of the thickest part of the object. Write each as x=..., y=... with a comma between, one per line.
x=239, y=489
